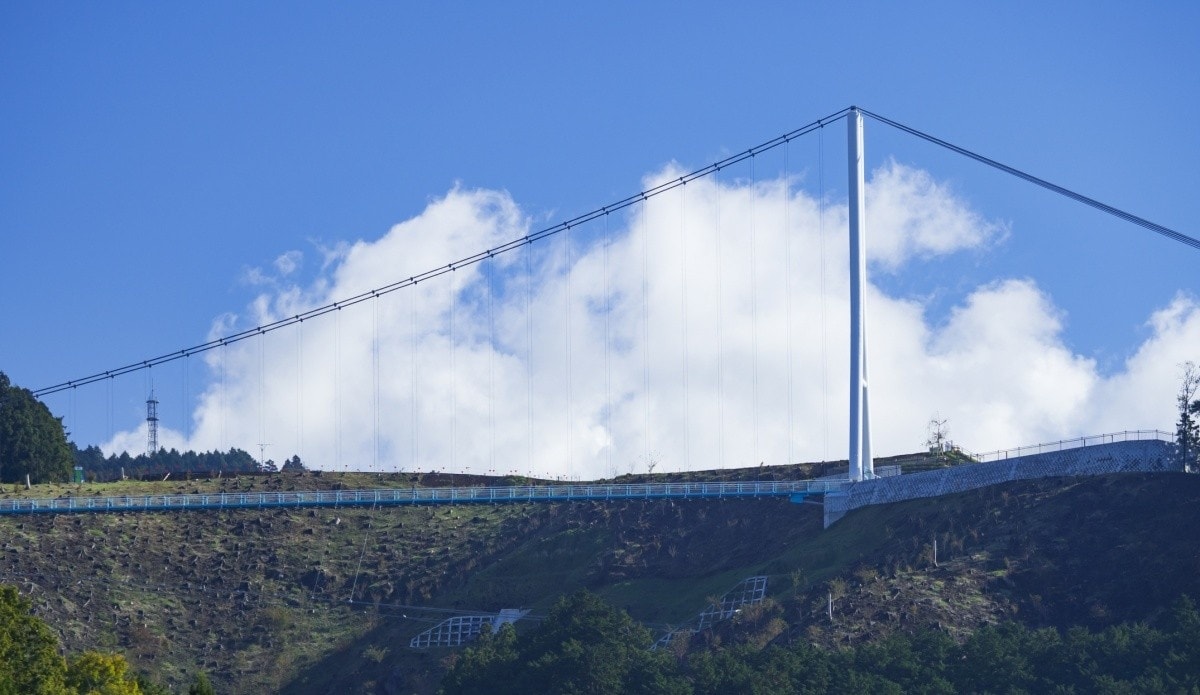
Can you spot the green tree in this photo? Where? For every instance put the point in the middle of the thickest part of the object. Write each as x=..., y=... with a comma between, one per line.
x=31, y=665
x=293, y=465
x=583, y=646
x=915, y=663
x=587, y=646
x=94, y=673
x=1181, y=663
x=29, y=660
x=90, y=459
x=1187, y=430
x=490, y=660
x=150, y=686
x=32, y=441
x=201, y=685
x=163, y=461
x=996, y=659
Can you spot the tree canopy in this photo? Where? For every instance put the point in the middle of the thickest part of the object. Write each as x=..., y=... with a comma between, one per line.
x=98, y=467
x=32, y=441
x=94, y=673
x=293, y=465
x=584, y=646
x=30, y=663
x=29, y=660
x=201, y=685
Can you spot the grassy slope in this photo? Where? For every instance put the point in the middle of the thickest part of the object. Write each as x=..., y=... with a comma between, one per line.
x=258, y=598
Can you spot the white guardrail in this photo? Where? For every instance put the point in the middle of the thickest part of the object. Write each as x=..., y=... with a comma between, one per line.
x=1079, y=442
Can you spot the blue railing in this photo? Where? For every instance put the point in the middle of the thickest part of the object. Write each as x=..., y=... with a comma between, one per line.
x=419, y=495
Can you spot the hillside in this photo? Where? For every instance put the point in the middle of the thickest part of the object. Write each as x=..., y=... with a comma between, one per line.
x=261, y=599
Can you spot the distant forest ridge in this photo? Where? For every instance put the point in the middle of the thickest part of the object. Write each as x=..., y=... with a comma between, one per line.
x=99, y=468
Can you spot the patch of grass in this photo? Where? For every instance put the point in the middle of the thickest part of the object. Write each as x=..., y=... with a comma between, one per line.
x=535, y=572
x=671, y=601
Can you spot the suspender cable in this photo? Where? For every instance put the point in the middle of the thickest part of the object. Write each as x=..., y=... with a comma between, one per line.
x=224, y=392
x=720, y=349
x=825, y=322
x=683, y=300
x=337, y=389
x=111, y=433
x=754, y=307
x=187, y=401
x=787, y=297
x=182, y=409
x=646, y=328
x=529, y=355
x=608, y=405
x=567, y=341
x=262, y=389
x=824, y=298
x=490, y=270
x=415, y=432
x=453, y=386
x=375, y=381
x=300, y=390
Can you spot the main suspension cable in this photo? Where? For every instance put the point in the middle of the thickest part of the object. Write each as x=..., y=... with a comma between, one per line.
x=603, y=211
x=472, y=259
x=1078, y=197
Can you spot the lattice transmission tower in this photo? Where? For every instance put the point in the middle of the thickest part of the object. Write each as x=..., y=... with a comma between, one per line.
x=152, y=424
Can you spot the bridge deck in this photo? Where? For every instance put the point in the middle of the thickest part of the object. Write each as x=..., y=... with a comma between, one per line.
x=419, y=496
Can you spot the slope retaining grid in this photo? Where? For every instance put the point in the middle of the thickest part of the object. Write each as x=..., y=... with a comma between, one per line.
x=1146, y=456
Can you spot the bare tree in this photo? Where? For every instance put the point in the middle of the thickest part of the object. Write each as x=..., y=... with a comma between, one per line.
x=938, y=439
x=1187, y=430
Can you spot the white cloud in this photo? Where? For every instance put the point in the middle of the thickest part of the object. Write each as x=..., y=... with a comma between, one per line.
x=255, y=276
x=1139, y=396
x=910, y=214
x=284, y=265
x=288, y=263
x=678, y=350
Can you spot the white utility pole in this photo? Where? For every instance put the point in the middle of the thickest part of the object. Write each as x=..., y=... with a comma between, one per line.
x=861, y=464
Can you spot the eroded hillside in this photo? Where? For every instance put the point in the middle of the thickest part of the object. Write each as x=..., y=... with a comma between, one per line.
x=261, y=599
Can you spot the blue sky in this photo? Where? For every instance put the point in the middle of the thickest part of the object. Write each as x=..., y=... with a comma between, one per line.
x=154, y=156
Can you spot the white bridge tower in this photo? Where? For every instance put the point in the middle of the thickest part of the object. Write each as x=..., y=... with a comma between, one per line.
x=862, y=466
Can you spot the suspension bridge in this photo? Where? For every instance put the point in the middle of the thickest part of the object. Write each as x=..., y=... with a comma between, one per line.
x=489, y=313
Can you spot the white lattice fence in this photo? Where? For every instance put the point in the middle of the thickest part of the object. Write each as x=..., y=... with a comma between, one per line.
x=456, y=631
x=748, y=592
